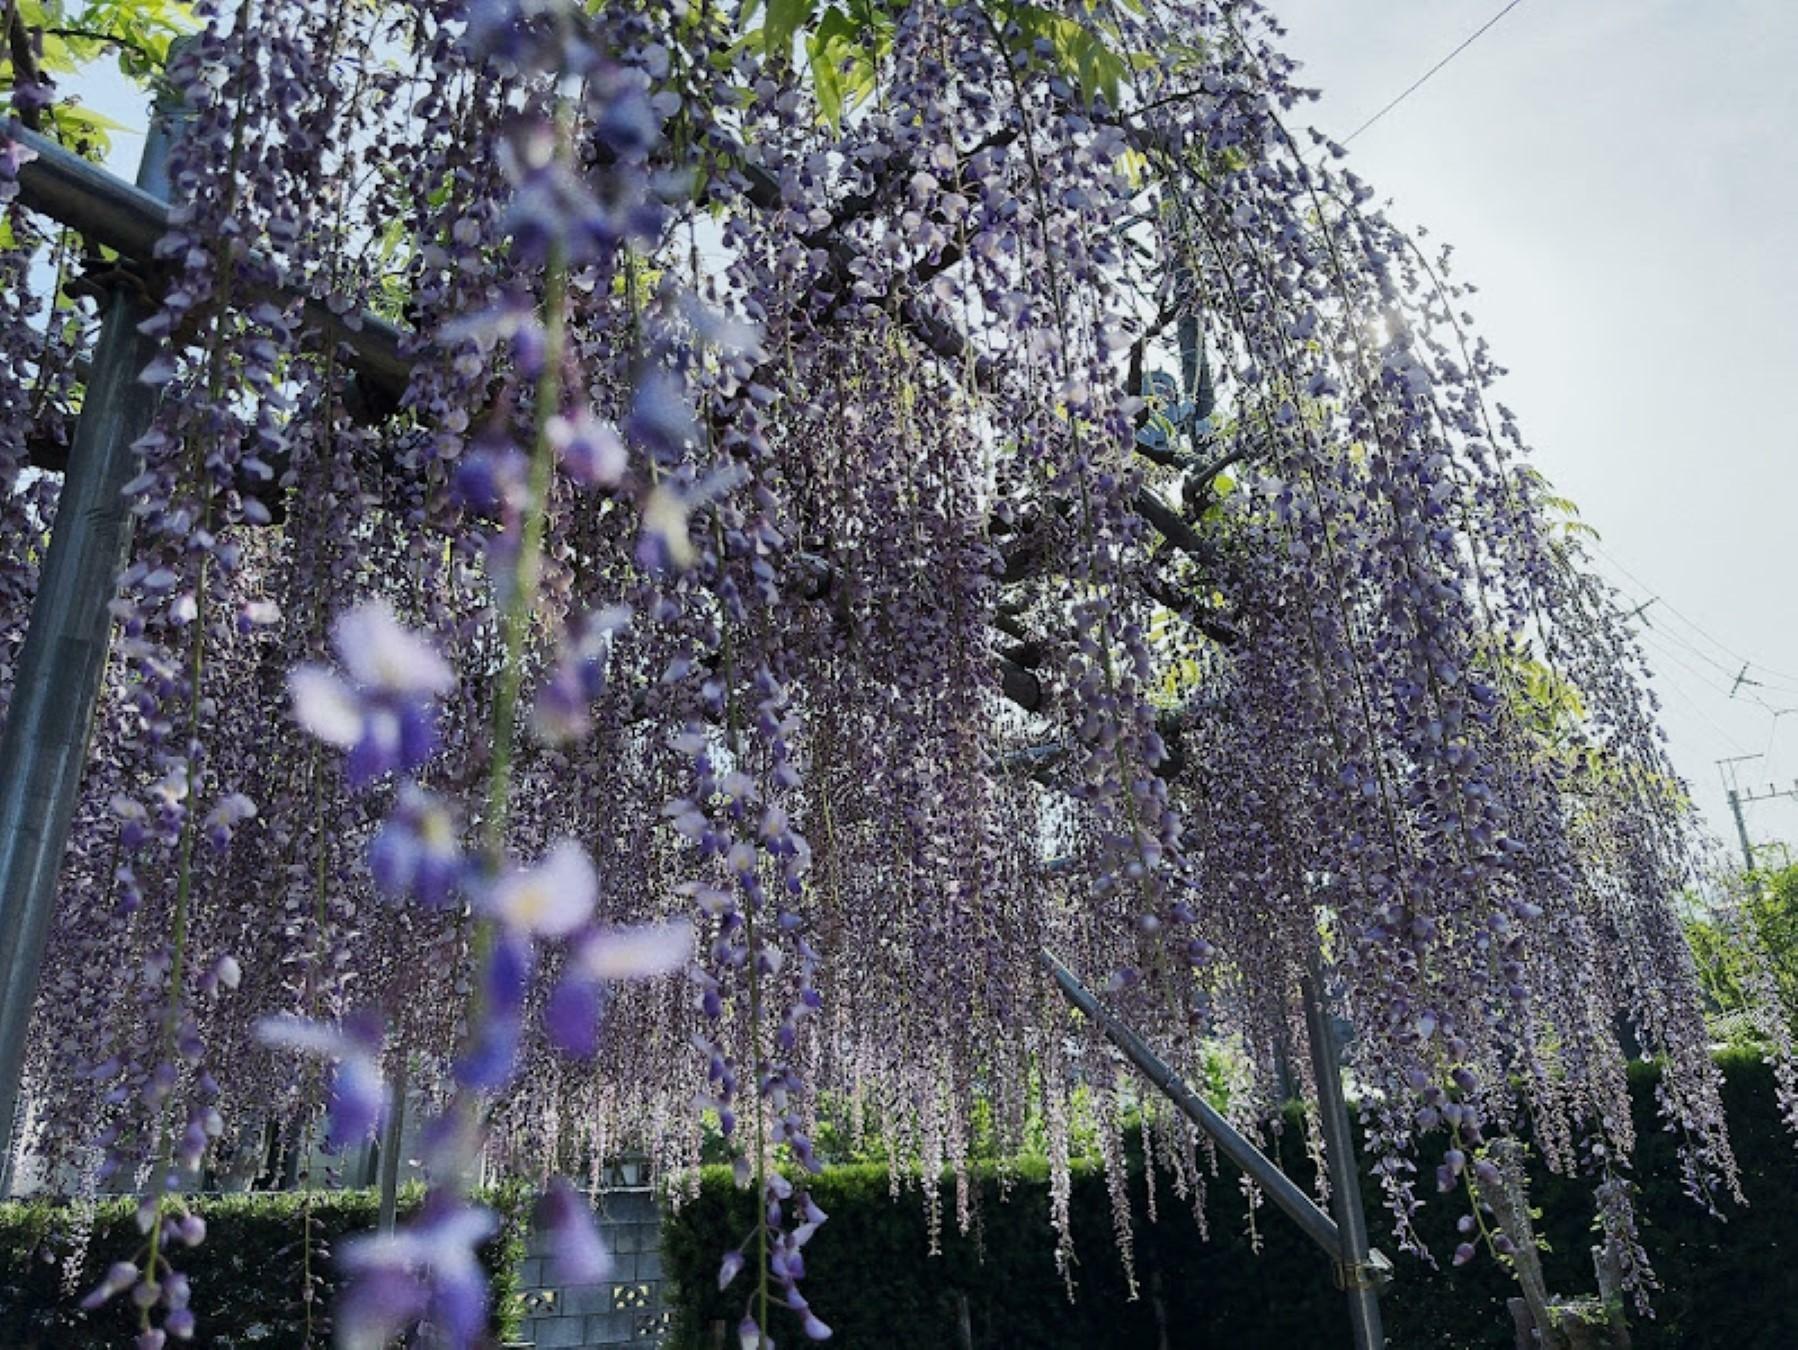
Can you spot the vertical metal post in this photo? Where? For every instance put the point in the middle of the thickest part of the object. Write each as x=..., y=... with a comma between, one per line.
x=1355, y=1262
x=44, y=745
x=392, y=1140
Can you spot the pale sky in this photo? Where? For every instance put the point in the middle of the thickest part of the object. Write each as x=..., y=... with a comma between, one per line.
x=1620, y=178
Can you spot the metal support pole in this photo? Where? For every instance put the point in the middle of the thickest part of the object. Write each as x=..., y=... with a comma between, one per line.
x=64, y=655
x=1360, y=1275
x=1279, y=1187
x=392, y=1140
x=1360, y=1269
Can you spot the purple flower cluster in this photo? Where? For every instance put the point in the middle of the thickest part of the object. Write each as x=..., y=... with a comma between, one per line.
x=985, y=486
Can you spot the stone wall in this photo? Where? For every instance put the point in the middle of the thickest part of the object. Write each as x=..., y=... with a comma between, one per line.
x=627, y=1309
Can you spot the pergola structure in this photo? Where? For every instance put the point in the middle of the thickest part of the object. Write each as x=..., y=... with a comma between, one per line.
x=65, y=653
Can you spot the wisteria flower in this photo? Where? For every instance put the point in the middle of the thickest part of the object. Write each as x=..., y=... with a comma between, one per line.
x=230, y=812
x=550, y=900
x=571, y=1014
x=358, y=1100
x=661, y=418
x=493, y=479
x=385, y=713
x=665, y=544
x=562, y=710
x=416, y=851
x=14, y=155
x=429, y=1269
x=554, y=207
x=491, y=1057
x=577, y=1254
x=590, y=450
x=636, y=953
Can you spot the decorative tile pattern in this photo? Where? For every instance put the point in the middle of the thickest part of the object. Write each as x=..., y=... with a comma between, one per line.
x=628, y=1310
x=630, y=1296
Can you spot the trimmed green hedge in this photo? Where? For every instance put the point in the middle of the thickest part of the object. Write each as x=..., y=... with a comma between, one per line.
x=248, y=1277
x=1727, y=1286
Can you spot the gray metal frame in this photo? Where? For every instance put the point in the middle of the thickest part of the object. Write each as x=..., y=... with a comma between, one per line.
x=1360, y=1271
x=45, y=742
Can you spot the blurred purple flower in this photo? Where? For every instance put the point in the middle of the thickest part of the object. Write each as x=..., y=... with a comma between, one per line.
x=230, y=812
x=661, y=418
x=491, y=1060
x=416, y=851
x=493, y=479
x=665, y=543
x=120, y=1276
x=358, y=1100
x=562, y=710
x=636, y=953
x=577, y=1255
x=554, y=207
x=430, y=1268
x=729, y=1268
x=590, y=450
x=384, y=714
x=571, y=1017
x=625, y=116
x=552, y=899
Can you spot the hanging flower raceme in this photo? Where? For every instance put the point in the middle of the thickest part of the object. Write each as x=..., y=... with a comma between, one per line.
x=868, y=503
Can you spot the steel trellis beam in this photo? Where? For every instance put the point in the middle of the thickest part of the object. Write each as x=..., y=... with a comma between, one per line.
x=44, y=745
x=1359, y=1270
x=108, y=210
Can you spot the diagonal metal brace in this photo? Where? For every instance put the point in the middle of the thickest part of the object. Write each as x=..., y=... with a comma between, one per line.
x=1280, y=1188
x=1360, y=1271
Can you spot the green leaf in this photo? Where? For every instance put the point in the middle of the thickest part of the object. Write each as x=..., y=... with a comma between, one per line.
x=842, y=65
x=785, y=19
x=76, y=125
x=1079, y=52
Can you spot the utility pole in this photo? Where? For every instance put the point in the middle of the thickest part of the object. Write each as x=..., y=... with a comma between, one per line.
x=45, y=741
x=1735, y=807
x=1726, y=768
x=1739, y=799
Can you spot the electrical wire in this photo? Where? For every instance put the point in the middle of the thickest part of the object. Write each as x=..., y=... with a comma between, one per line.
x=1737, y=661
x=1431, y=72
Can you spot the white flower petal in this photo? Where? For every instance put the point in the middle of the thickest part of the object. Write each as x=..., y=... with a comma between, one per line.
x=287, y=1032
x=551, y=899
x=665, y=519
x=637, y=953
x=378, y=650
x=324, y=705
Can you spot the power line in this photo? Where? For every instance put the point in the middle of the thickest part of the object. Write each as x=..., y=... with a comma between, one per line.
x=1428, y=74
x=1736, y=660
x=1668, y=681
